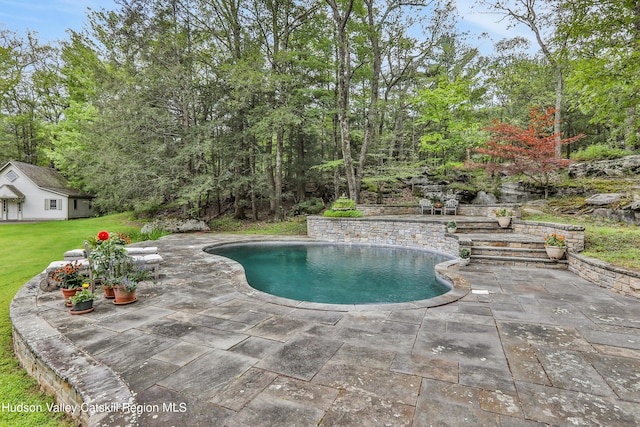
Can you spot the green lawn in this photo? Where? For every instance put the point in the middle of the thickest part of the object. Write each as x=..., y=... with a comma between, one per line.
x=25, y=250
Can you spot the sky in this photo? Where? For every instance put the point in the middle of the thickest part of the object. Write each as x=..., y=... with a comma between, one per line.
x=51, y=18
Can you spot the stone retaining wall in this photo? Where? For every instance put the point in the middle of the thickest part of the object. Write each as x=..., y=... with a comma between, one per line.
x=465, y=210
x=384, y=231
x=432, y=236
x=573, y=233
x=63, y=370
x=606, y=275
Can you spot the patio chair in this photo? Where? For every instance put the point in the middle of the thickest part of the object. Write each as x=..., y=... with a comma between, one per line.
x=450, y=205
x=426, y=204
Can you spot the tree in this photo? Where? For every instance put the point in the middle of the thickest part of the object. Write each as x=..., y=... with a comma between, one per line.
x=526, y=151
x=30, y=97
x=604, y=38
x=447, y=113
x=341, y=16
x=539, y=18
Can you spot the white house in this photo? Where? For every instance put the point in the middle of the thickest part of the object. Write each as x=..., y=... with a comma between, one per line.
x=29, y=193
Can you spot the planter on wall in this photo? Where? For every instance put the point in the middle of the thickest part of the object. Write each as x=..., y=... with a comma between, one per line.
x=504, y=221
x=555, y=252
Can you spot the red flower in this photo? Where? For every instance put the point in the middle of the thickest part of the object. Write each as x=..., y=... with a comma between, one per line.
x=103, y=235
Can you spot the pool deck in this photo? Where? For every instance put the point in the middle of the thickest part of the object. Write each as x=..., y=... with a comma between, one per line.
x=526, y=347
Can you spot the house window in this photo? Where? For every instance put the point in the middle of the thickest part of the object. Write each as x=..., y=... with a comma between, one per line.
x=75, y=204
x=52, y=204
x=11, y=176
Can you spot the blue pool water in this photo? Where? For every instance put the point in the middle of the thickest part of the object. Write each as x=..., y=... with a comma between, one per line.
x=338, y=274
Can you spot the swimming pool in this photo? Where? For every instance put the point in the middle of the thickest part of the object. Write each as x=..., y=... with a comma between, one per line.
x=338, y=274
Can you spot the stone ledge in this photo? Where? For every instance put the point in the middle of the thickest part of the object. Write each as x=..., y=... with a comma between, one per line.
x=606, y=275
x=63, y=370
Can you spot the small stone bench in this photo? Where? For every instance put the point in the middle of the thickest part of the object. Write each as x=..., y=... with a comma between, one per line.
x=78, y=254
x=148, y=256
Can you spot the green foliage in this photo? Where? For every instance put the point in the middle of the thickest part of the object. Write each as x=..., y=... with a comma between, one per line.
x=464, y=253
x=82, y=296
x=446, y=109
x=603, y=78
x=225, y=225
x=312, y=206
x=343, y=214
x=598, y=152
x=343, y=203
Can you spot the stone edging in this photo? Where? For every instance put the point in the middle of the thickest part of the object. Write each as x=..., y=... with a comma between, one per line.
x=88, y=390
x=460, y=288
x=605, y=275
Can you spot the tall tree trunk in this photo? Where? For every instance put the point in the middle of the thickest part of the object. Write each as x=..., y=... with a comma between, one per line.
x=278, y=174
x=344, y=82
x=557, y=122
x=372, y=113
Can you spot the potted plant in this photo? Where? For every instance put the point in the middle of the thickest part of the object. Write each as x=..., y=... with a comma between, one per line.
x=555, y=245
x=452, y=226
x=126, y=283
x=82, y=301
x=70, y=279
x=503, y=216
x=124, y=279
x=107, y=258
x=465, y=256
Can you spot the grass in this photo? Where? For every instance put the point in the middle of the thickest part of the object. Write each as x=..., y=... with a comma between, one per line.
x=615, y=243
x=292, y=227
x=25, y=251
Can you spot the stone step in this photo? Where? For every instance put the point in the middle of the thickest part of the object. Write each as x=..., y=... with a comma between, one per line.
x=509, y=251
x=520, y=261
x=508, y=244
x=482, y=226
x=463, y=229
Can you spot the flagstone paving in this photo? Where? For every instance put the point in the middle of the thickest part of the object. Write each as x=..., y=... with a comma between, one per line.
x=543, y=347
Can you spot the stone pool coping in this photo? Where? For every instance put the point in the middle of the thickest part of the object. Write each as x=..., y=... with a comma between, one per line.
x=459, y=286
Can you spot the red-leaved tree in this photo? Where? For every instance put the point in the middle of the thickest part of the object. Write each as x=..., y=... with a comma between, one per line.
x=527, y=151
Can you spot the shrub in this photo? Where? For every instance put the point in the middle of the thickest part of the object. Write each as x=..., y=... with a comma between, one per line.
x=464, y=253
x=343, y=214
x=343, y=203
x=312, y=207
x=598, y=152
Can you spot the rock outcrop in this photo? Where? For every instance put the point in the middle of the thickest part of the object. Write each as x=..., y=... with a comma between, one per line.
x=624, y=166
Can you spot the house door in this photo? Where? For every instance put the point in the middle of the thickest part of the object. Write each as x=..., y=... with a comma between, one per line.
x=13, y=209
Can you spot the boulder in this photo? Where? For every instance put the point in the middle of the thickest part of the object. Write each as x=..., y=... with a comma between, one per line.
x=483, y=198
x=604, y=199
x=175, y=225
x=516, y=192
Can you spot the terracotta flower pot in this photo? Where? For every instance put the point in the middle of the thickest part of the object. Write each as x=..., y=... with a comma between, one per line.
x=68, y=293
x=122, y=296
x=108, y=292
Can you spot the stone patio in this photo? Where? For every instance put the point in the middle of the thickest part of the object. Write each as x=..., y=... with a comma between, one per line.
x=527, y=347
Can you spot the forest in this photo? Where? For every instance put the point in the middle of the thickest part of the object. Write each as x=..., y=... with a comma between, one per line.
x=206, y=107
